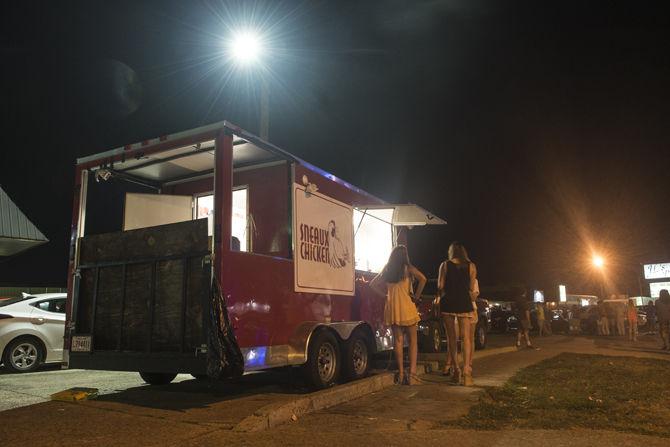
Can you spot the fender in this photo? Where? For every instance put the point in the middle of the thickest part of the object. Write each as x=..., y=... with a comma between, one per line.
x=295, y=352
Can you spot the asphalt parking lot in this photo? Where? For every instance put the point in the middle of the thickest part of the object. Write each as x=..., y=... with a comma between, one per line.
x=20, y=390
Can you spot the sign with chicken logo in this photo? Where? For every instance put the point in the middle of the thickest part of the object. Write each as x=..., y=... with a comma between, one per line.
x=322, y=243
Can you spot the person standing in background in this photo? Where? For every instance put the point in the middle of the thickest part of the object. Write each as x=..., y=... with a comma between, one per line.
x=663, y=315
x=620, y=313
x=604, y=321
x=611, y=315
x=548, y=316
x=632, y=320
x=539, y=308
x=522, y=314
x=651, y=317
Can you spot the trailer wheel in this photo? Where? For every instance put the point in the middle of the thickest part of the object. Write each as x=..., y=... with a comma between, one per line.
x=322, y=369
x=157, y=378
x=356, y=359
x=433, y=341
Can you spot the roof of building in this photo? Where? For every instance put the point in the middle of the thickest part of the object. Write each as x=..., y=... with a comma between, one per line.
x=17, y=233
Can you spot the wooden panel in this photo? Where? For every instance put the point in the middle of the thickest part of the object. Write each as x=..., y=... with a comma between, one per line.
x=153, y=242
x=197, y=286
x=166, y=330
x=108, y=308
x=136, y=311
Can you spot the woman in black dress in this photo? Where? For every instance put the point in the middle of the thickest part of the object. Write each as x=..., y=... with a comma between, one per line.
x=456, y=286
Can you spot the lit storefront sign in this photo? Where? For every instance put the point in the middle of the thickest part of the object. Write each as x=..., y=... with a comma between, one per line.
x=562, y=294
x=538, y=296
x=657, y=271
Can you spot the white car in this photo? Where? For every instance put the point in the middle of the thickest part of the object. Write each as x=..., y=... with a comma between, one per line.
x=31, y=331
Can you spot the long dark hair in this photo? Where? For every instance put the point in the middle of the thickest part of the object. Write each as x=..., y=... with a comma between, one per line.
x=458, y=251
x=395, y=269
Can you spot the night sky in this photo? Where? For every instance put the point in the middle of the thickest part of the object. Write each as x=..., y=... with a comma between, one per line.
x=540, y=132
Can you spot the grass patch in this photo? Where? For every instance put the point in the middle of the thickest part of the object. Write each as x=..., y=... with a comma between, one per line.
x=587, y=391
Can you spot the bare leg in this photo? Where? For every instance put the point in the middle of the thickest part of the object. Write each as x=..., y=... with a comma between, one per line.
x=398, y=341
x=540, y=327
x=412, y=351
x=448, y=362
x=526, y=334
x=467, y=344
x=473, y=328
x=452, y=340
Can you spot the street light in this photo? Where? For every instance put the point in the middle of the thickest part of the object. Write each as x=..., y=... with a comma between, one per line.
x=245, y=49
x=598, y=261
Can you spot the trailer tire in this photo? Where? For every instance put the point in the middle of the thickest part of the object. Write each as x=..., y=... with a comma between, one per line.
x=322, y=369
x=357, y=355
x=157, y=378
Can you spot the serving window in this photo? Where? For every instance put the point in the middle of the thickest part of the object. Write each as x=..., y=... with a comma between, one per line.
x=373, y=238
x=204, y=206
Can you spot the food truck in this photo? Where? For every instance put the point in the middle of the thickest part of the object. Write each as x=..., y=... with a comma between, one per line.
x=213, y=252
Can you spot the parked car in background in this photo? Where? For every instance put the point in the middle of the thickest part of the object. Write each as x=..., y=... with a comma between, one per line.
x=641, y=316
x=432, y=333
x=31, y=331
x=502, y=317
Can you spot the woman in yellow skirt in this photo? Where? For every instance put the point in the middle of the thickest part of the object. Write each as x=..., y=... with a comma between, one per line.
x=395, y=282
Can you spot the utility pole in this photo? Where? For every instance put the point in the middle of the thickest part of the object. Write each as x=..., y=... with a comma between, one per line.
x=265, y=109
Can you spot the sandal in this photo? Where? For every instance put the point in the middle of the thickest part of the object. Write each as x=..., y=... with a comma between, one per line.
x=467, y=380
x=456, y=378
x=414, y=380
x=449, y=371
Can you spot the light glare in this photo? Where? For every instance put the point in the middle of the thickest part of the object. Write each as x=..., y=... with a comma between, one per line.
x=246, y=47
x=598, y=261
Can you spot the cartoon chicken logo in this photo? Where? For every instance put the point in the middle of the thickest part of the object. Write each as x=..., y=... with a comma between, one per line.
x=339, y=253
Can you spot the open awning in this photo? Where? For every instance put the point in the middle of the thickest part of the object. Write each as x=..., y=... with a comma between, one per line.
x=402, y=214
x=17, y=233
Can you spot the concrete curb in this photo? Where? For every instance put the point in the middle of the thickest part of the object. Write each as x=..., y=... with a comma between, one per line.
x=275, y=414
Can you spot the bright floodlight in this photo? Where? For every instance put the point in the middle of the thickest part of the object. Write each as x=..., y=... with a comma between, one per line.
x=598, y=261
x=246, y=47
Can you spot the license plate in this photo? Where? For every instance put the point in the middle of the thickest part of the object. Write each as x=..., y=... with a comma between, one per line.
x=81, y=343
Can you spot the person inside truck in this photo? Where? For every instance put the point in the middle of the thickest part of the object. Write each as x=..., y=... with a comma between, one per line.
x=457, y=284
x=395, y=282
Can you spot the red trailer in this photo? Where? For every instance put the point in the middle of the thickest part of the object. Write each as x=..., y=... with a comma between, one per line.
x=214, y=252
